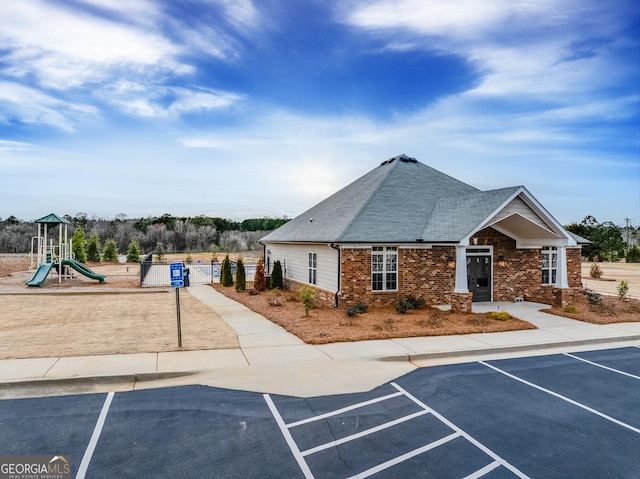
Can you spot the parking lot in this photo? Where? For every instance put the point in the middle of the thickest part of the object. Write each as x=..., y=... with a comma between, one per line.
x=562, y=415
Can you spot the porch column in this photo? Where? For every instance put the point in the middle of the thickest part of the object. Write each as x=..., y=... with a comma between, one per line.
x=561, y=270
x=461, y=270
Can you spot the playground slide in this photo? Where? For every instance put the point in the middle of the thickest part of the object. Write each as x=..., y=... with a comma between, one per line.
x=82, y=269
x=40, y=275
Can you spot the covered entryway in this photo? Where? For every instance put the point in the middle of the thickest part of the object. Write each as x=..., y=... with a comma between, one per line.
x=479, y=274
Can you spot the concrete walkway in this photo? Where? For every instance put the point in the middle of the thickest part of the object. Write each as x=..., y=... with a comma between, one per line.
x=272, y=360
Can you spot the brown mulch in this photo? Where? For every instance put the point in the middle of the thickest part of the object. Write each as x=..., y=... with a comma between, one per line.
x=329, y=325
x=612, y=310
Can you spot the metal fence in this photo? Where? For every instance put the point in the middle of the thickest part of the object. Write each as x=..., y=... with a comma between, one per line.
x=156, y=273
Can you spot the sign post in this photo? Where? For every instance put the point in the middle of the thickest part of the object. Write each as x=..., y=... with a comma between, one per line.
x=177, y=282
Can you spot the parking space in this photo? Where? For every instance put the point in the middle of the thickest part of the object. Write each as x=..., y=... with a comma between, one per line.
x=556, y=416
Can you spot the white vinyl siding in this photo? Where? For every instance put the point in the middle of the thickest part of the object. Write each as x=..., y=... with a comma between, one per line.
x=295, y=263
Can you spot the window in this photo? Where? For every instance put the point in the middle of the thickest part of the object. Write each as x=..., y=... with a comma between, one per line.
x=384, y=268
x=313, y=267
x=549, y=264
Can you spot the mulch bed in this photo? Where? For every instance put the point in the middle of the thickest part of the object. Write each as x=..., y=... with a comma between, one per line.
x=611, y=310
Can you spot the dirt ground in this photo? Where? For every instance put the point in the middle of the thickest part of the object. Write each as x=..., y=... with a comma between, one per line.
x=328, y=325
x=83, y=317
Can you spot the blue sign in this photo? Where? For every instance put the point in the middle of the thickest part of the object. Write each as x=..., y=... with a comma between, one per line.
x=176, y=275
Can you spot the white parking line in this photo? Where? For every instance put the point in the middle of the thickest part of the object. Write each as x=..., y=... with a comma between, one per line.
x=602, y=366
x=300, y=455
x=366, y=432
x=405, y=457
x=469, y=438
x=564, y=398
x=287, y=437
x=344, y=409
x=88, y=454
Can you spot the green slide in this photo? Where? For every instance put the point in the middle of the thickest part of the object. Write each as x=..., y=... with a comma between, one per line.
x=40, y=275
x=82, y=269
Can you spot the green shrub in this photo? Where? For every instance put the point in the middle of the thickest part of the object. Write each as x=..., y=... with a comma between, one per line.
x=623, y=289
x=308, y=297
x=356, y=309
x=571, y=308
x=500, y=315
x=133, y=253
x=110, y=252
x=241, y=283
x=592, y=296
x=77, y=239
x=633, y=255
x=226, y=278
x=93, y=248
x=408, y=303
x=276, y=281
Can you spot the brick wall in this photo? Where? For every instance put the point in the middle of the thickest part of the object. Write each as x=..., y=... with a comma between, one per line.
x=430, y=274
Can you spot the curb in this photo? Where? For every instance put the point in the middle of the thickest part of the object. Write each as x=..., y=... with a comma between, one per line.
x=505, y=349
x=93, y=380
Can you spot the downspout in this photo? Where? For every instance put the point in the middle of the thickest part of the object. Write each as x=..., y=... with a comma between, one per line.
x=337, y=248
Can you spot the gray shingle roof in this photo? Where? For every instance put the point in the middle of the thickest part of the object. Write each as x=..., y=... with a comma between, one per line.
x=401, y=200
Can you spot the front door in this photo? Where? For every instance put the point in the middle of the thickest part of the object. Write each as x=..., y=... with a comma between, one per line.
x=479, y=277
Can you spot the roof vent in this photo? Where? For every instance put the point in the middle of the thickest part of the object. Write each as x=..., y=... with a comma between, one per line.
x=404, y=158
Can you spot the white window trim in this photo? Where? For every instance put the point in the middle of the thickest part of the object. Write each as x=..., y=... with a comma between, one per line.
x=385, y=252
x=549, y=252
x=313, y=268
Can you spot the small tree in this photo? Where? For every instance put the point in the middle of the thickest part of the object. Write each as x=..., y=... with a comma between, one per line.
x=226, y=278
x=276, y=276
x=78, y=240
x=633, y=255
x=259, y=280
x=623, y=289
x=110, y=252
x=308, y=297
x=241, y=283
x=596, y=271
x=133, y=253
x=93, y=248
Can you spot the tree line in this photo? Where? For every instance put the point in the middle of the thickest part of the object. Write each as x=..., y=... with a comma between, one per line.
x=168, y=234
x=164, y=233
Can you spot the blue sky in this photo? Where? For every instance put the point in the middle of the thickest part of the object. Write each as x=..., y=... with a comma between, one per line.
x=244, y=109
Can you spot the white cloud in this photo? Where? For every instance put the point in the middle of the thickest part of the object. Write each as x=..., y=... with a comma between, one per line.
x=32, y=106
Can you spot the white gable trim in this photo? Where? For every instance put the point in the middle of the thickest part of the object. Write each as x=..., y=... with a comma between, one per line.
x=555, y=235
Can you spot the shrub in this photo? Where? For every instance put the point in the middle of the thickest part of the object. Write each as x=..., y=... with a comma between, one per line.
x=276, y=281
x=77, y=239
x=133, y=253
x=633, y=255
x=275, y=298
x=110, y=252
x=623, y=289
x=592, y=296
x=226, y=278
x=241, y=282
x=500, y=315
x=596, y=271
x=571, y=308
x=410, y=302
x=259, y=280
x=356, y=309
x=308, y=297
x=93, y=248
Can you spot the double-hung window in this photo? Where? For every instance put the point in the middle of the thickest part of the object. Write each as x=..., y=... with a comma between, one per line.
x=384, y=268
x=313, y=268
x=549, y=264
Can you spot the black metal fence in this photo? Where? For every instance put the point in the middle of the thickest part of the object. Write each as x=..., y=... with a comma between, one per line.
x=155, y=273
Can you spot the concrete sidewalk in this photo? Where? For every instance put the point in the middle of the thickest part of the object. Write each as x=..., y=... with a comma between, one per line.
x=272, y=360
